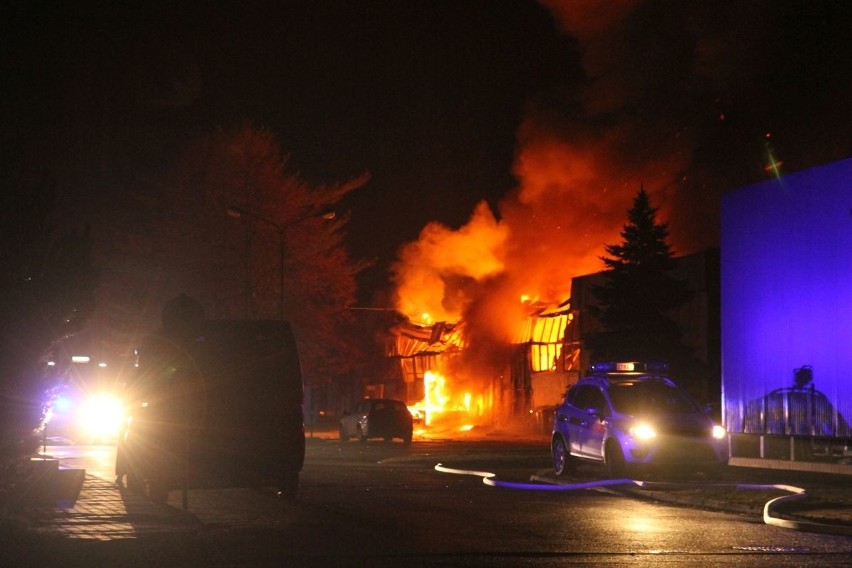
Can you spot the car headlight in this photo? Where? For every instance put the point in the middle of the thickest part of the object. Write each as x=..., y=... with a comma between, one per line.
x=101, y=416
x=719, y=433
x=643, y=431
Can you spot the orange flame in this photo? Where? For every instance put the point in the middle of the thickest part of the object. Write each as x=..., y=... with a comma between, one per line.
x=432, y=273
x=576, y=182
x=442, y=408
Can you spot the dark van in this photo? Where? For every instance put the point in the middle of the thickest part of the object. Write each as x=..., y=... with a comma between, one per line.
x=219, y=408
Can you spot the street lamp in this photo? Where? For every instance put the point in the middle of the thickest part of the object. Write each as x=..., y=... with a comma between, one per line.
x=237, y=212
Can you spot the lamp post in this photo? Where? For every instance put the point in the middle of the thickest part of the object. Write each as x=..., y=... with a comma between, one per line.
x=238, y=212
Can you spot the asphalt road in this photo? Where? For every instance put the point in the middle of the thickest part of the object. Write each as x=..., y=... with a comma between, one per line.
x=385, y=504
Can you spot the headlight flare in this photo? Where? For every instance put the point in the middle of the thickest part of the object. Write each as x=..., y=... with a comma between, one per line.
x=719, y=432
x=643, y=431
x=101, y=416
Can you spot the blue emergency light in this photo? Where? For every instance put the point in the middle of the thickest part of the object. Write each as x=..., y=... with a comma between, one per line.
x=628, y=367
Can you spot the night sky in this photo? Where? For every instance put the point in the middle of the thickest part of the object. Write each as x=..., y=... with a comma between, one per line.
x=444, y=103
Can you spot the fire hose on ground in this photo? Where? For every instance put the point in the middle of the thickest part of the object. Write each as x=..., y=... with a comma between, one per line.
x=795, y=493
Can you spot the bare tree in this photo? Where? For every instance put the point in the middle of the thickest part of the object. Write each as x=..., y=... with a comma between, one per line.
x=277, y=255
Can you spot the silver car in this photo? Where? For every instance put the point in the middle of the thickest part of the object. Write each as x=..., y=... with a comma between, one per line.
x=377, y=418
x=630, y=417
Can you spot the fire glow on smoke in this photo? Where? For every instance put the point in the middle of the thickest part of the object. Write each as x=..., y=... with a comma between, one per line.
x=578, y=170
x=492, y=272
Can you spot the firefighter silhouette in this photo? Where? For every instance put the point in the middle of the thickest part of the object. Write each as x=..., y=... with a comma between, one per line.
x=800, y=410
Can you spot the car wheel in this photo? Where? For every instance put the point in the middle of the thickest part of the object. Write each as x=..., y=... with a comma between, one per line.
x=616, y=466
x=289, y=488
x=361, y=435
x=561, y=456
x=158, y=492
x=133, y=483
x=343, y=436
x=407, y=439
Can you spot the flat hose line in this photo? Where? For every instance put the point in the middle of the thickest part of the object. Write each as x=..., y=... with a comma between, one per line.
x=795, y=494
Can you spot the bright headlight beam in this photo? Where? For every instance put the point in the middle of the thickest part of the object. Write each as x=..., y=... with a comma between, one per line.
x=101, y=416
x=719, y=433
x=643, y=432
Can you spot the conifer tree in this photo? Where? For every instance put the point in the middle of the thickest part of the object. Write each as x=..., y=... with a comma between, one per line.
x=640, y=294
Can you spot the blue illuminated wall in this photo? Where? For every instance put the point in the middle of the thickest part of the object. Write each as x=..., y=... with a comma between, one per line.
x=787, y=290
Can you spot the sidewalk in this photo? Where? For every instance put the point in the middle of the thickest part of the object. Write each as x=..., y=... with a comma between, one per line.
x=104, y=511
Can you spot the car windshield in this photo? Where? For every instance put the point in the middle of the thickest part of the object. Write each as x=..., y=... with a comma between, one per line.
x=387, y=406
x=642, y=398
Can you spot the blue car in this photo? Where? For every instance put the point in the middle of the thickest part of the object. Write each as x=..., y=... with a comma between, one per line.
x=632, y=417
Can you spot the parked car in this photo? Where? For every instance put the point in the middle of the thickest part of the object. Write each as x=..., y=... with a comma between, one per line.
x=377, y=418
x=631, y=417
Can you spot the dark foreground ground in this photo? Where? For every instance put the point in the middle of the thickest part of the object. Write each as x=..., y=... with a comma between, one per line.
x=104, y=525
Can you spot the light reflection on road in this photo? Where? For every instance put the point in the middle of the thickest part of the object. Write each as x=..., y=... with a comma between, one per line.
x=641, y=524
x=96, y=460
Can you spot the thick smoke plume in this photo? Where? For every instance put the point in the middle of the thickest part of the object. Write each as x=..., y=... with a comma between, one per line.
x=682, y=98
x=577, y=177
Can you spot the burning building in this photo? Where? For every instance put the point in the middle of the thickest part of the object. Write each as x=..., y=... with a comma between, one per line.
x=581, y=155
x=456, y=380
x=518, y=383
